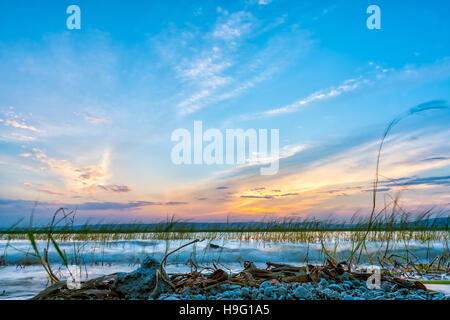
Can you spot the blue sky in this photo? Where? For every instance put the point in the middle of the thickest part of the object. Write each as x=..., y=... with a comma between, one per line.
x=87, y=115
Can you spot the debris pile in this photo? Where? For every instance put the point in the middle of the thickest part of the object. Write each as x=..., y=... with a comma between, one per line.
x=150, y=281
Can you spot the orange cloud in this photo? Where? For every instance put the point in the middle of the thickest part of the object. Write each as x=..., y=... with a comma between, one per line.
x=16, y=124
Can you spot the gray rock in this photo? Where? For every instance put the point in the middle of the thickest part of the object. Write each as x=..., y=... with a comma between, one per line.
x=363, y=288
x=264, y=285
x=282, y=291
x=323, y=283
x=335, y=287
x=142, y=283
x=327, y=292
x=308, y=286
x=415, y=297
x=356, y=283
x=268, y=291
x=346, y=286
x=348, y=297
x=345, y=276
x=302, y=293
x=402, y=291
x=245, y=292
x=235, y=287
x=348, y=283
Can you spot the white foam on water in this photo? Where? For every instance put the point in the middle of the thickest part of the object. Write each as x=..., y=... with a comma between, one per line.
x=101, y=258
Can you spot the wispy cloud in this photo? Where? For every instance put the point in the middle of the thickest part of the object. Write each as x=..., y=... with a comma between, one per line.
x=115, y=188
x=346, y=86
x=15, y=124
x=377, y=75
x=223, y=69
x=95, y=119
x=44, y=189
x=88, y=178
x=235, y=25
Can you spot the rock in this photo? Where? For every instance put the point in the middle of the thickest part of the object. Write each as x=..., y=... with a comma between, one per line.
x=403, y=291
x=348, y=297
x=48, y=292
x=235, y=287
x=348, y=283
x=230, y=294
x=282, y=291
x=268, y=291
x=142, y=283
x=345, y=276
x=245, y=292
x=328, y=293
x=302, y=293
x=264, y=285
x=323, y=283
x=415, y=297
x=356, y=283
x=335, y=287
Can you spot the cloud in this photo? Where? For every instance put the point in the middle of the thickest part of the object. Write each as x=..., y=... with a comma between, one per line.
x=270, y=196
x=123, y=206
x=79, y=179
x=16, y=124
x=346, y=86
x=221, y=188
x=25, y=155
x=412, y=181
x=315, y=179
x=436, y=158
x=235, y=26
x=380, y=76
x=94, y=119
x=24, y=205
x=264, y=2
x=224, y=66
x=115, y=188
x=44, y=189
x=258, y=197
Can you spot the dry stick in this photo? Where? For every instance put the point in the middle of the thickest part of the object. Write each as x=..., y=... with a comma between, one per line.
x=163, y=262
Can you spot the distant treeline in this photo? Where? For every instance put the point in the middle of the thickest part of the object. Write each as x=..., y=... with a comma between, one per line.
x=437, y=224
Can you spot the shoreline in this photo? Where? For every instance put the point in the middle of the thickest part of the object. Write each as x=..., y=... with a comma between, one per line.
x=277, y=282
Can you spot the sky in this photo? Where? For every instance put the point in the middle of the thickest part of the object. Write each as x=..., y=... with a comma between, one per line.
x=86, y=115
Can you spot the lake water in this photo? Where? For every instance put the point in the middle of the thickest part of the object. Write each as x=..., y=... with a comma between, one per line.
x=22, y=277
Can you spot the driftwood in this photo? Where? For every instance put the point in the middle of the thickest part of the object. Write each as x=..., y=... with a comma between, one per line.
x=102, y=288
